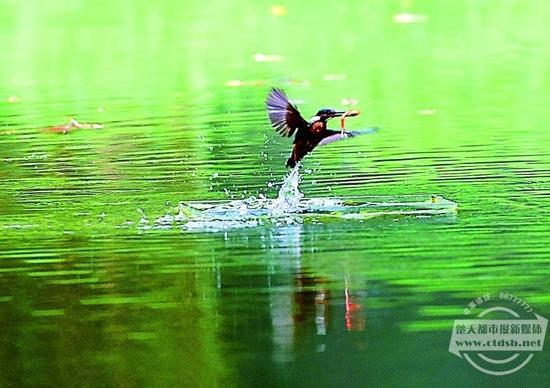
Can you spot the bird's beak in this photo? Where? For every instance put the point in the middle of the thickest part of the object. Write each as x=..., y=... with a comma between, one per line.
x=338, y=114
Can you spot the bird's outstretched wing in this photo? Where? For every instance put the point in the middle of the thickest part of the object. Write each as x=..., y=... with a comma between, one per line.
x=333, y=136
x=283, y=115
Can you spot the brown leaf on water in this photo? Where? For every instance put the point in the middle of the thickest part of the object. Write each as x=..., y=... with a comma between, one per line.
x=71, y=126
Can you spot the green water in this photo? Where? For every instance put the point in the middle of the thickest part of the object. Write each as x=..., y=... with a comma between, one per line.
x=89, y=297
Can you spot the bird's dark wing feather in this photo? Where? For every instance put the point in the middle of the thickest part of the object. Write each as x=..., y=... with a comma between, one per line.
x=332, y=136
x=283, y=115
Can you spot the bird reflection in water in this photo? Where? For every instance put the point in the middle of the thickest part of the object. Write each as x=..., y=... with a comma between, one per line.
x=311, y=298
x=314, y=307
x=355, y=317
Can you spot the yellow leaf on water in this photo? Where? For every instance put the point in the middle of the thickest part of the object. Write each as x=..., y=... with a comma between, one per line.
x=279, y=10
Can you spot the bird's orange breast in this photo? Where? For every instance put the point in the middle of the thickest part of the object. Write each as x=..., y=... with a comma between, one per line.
x=317, y=127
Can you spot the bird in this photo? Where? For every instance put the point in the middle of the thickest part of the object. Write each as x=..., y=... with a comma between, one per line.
x=287, y=121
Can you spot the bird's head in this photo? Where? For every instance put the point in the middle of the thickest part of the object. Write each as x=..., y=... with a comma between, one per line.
x=328, y=113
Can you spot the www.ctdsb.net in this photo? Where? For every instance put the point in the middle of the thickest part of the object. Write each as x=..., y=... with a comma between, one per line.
x=498, y=343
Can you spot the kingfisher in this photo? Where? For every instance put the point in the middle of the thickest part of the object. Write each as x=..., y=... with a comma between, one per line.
x=287, y=121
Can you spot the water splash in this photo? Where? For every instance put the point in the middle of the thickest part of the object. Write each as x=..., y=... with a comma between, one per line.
x=289, y=196
x=290, y=208
x=249, y=212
